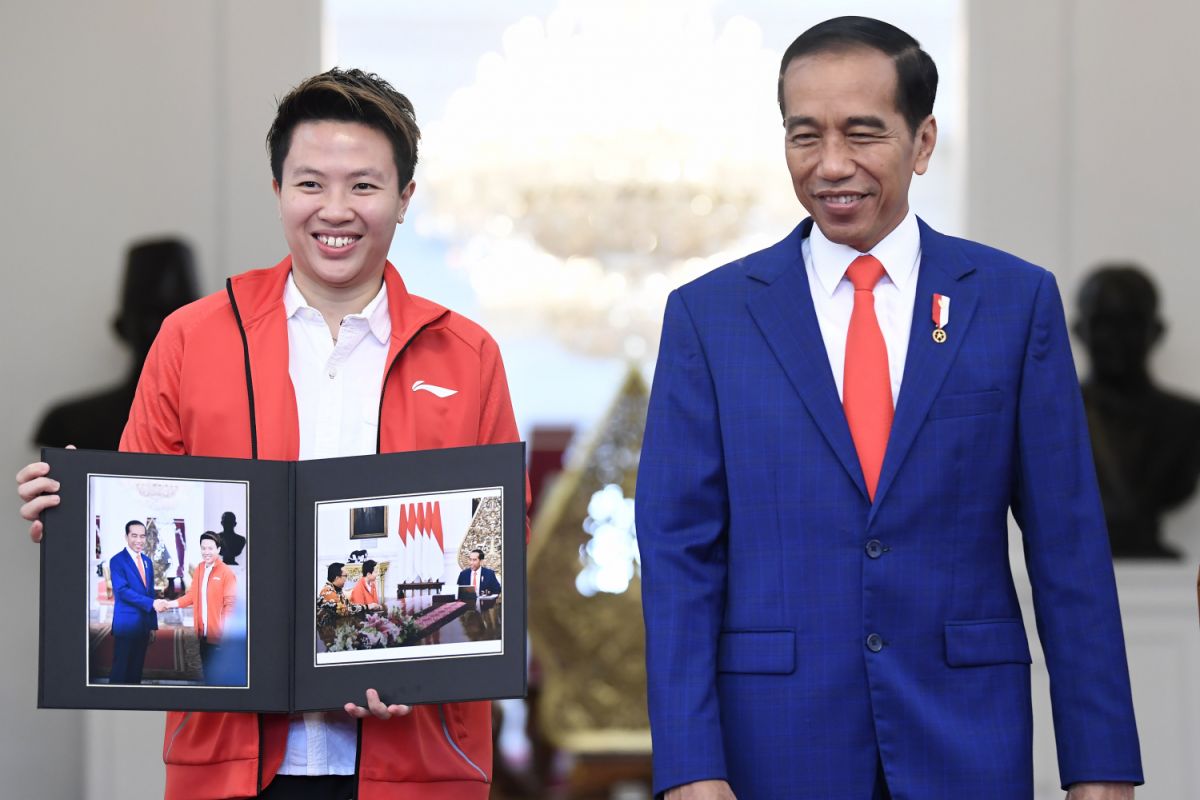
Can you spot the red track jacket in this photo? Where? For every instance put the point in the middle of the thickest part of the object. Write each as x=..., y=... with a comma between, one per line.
x=216, y=383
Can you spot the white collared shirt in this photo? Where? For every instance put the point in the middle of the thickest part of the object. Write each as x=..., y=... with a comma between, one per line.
x=208, y=568
x=337, y=388
x=833, y=294
x=137, y=561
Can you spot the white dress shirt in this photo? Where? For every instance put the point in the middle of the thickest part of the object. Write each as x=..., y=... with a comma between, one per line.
x=833, y=294
x=203, y=610
x=337, y=396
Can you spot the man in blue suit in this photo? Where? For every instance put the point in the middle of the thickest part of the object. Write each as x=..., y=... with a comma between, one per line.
x=824, y=399
x=135, y=617
x=482, y=579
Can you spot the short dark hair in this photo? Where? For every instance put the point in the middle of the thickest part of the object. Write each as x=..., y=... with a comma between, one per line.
x=368, y=566
x=131, y=523
x=916, y=74
x=349, y=95
x=480, y=552
x=334, y=572
x=213, y=536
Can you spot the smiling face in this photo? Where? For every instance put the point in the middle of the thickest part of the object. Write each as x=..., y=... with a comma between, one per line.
x=849, y=150
x=135, y=537
x=208, y=551
x=340, y=201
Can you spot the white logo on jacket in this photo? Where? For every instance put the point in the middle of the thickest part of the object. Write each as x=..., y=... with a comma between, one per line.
x=439, y=391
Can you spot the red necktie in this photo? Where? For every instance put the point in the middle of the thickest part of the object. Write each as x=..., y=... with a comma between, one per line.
x=866, y=383
x=137, y=560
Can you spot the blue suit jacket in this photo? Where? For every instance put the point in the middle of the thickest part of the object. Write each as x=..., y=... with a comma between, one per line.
x=794, y=630
x=133, y=602
x=488, y=582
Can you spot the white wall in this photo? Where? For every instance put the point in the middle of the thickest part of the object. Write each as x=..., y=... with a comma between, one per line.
x=121, y=119
x=1079, y=151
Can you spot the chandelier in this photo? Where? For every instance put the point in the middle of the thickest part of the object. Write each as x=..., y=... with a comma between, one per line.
x=608, y=154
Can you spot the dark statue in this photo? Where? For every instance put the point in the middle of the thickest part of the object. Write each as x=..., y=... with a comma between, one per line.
x=159, y=278
x=232, y=542
x=1145, y=440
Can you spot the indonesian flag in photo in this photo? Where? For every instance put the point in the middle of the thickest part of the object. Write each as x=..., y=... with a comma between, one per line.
x=404, y=558
x=426, y=540
x=438, y=541
x=435, y=559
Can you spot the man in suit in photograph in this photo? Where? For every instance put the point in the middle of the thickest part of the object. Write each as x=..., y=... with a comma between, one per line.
x=872, y=397
x=481, y=579
x=135, y=612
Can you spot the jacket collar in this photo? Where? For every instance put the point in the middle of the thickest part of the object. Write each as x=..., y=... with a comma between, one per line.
x=260, y=294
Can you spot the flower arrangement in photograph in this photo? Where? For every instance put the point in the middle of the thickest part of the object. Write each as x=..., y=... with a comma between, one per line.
x=374, y=631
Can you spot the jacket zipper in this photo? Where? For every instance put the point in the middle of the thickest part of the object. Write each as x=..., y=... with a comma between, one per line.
x=237, y=315
x=386, y=375
x=187, y=716
x=454, y=744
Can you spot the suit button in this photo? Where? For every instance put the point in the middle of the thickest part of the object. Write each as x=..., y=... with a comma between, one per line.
x=874, y=548
x=874, y=642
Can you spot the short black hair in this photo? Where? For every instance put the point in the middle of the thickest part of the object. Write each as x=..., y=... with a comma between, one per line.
x=477, y=550
x=348, y=95
x=212, y=536
x=131, y=523
x=916, y=74
x=368, y=566
x=334, y=572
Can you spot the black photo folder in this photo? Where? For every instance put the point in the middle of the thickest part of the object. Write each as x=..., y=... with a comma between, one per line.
x=300, y=584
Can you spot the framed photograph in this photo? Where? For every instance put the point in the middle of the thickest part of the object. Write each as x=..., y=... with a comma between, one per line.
x=167, y=603
x=368, y=522
x=172, y=582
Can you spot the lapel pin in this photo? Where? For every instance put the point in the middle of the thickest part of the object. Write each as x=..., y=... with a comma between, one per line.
x=941, y=317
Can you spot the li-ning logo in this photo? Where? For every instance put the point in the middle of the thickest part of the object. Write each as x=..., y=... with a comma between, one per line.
x=434, y=390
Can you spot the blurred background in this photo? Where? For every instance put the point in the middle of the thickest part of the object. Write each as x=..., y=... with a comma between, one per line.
x=579, y=160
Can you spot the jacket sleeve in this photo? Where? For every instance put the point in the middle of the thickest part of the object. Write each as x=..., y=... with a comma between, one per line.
x=682, y=529
x=153, y=425
x=1058, y=508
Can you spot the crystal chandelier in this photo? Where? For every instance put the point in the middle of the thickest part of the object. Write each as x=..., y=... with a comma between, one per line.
x=608, y=154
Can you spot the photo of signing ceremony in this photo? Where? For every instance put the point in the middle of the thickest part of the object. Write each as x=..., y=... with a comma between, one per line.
x=852, y=346
x=409, y=577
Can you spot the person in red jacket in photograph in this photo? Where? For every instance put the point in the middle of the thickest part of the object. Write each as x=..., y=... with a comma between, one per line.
x=214, y=594
x=320, y=356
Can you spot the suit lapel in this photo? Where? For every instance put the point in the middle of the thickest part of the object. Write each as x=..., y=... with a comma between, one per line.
x=944, y=270
x=780, y=302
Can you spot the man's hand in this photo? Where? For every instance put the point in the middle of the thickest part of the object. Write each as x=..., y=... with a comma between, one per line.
x=376, y=708
x=160, y=606
x=1100, y=791
x=701, y=790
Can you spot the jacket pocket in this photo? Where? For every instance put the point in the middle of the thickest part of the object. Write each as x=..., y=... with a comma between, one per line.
x=977, y=643
x=766, y=652
x=966, y=405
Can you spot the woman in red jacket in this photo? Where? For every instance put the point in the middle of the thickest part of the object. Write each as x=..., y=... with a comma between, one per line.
x=342, y=148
